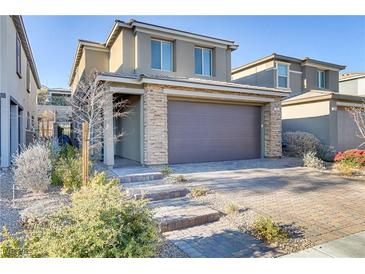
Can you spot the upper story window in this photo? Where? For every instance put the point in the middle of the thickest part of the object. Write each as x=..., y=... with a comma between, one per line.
x=28, y=78
x=203, y=61
x=18, y=57
x=321, y=79
x=161, y=55
x=283, y=75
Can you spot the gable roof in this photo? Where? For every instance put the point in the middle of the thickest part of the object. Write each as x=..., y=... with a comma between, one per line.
x=20, y=28
x=133, y=24
x=275, y=56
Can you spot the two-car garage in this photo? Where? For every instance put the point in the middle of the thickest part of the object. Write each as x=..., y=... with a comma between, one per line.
x=205, y=131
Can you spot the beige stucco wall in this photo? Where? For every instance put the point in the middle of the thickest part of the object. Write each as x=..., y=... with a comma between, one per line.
x=12, y=85
x=136, y=55
x=312, y=117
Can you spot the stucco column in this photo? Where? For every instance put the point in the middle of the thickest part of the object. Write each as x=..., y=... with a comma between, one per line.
x=272, y=129
x=5, y=131
x=108, y=131
x=155, y=126
x=14, y=129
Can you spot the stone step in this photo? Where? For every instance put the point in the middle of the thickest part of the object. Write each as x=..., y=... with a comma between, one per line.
x=180, y=213
x=158, y=192
x=140, y=177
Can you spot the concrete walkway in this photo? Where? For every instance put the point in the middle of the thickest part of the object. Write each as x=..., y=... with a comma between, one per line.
x=352, y=246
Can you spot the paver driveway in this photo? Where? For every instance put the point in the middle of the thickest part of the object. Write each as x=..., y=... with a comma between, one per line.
x=326, y=206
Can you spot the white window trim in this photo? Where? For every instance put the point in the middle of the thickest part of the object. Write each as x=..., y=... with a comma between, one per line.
x=172, y=55
x=277, y=74
x=318, y=81
x=211, y=62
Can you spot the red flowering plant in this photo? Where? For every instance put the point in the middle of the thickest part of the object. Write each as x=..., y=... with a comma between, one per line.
x=353, y=157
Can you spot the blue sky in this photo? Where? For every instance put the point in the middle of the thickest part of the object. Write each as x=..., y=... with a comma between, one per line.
x=337, y=39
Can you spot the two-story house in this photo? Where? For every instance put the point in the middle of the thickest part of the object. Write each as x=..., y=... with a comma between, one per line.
x=19, y=82
x=54, y=112
x=185, y=107
x=314, y=104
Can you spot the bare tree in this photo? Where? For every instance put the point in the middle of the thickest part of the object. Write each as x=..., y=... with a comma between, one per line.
x=358, y=116
x=88, y=104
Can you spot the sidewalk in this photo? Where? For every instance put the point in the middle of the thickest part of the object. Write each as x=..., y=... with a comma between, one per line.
x=352, y=246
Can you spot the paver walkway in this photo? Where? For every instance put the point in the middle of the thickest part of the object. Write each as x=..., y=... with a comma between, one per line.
x=352, y=246
x=327, y=207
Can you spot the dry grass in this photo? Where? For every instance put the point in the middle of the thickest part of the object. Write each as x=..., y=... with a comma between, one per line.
x=198, y=192
x=345, y=170
x=267, y=230
x=231, y=208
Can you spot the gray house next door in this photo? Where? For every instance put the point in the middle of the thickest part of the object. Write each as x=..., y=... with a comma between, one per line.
x=203, y=132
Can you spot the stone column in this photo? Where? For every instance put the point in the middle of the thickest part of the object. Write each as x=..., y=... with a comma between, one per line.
x=155, y=126
x=272, y=130
x=108, y=131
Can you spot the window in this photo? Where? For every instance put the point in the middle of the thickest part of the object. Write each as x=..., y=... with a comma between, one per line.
x=283, y=75
x=28, y=78
x=321, y=79
x=203, y=61
x=18, y=57
x=161, y=55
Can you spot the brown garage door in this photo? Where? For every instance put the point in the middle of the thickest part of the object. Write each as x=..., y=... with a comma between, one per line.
x=203, y=132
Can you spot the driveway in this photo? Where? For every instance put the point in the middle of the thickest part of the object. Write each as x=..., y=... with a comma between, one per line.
x=327, y=207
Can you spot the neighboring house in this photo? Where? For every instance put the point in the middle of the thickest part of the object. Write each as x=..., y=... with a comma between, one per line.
x=54, y=112
x=19, y=82
x=314, y=104
x=184, y=106
x=353, y=83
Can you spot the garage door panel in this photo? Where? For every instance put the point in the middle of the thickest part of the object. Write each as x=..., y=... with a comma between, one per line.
x=201, y=132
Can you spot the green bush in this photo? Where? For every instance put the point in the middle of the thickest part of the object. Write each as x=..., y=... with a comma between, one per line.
x=267, y=230
x=326, y=153
x=67, y=169
x=101, y=222
x=10, y=246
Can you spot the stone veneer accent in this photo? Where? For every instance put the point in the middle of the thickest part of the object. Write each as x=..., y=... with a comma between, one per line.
x=155, y=126
x=272, y=129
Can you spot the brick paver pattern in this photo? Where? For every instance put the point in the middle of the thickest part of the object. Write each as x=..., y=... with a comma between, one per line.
x=327, y=207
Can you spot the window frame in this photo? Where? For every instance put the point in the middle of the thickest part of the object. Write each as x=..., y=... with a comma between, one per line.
x=319, y=72
x=161, y=54
x=287, y=76
x=18, y=56
x=202, y=61
x=28, y=78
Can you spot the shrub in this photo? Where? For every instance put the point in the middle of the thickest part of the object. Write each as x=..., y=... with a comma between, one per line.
x=198, y=191
x=67, y=169
x=344, y=169
x=166, y=171
x=267, y=230
x=310, y=160
x=10, y=247
x=101, y=222
x=181, y=179
x=354, y=158
x=231, y=208
x=33, y=168
x=298, y=143
x=326, y=153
